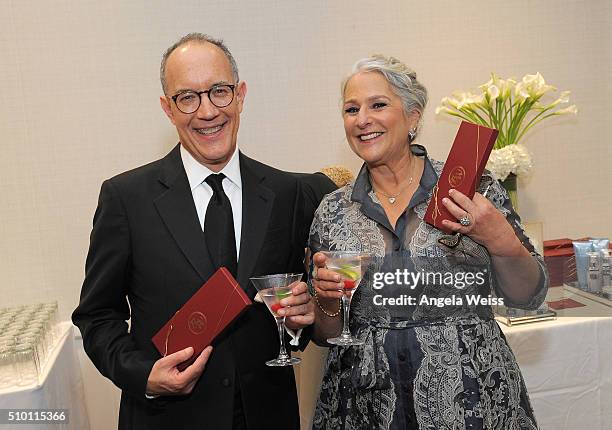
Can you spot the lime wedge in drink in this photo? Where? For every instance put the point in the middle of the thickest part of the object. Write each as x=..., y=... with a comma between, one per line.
x=348, y=272
x=282, y=294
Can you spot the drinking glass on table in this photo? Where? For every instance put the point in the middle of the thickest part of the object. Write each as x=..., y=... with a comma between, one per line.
x=27, y=363
x=8, y=372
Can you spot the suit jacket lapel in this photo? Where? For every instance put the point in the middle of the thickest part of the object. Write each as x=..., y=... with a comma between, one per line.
x=257, y=203
x=176, y=208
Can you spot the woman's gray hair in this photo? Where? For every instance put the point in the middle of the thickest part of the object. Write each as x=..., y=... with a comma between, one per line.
x=199, y=38
x=403, y=81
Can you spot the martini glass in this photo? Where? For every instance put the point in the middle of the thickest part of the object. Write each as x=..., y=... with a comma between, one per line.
x=348, y=265
x=272, y=289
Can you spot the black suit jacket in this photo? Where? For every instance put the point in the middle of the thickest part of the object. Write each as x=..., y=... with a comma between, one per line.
x=148, y=256
x=314, y=187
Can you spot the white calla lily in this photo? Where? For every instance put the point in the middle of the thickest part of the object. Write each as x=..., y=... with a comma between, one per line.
x=513, y=107
x=443, y=109
x=450, y=101
x=493, y=92
x=564, y=97
x=570, y=109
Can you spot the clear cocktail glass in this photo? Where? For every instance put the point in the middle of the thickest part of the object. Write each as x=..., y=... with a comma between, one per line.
x=272, y=289
x=349, y=266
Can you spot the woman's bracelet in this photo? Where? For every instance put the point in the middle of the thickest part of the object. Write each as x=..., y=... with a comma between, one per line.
x=335, y=314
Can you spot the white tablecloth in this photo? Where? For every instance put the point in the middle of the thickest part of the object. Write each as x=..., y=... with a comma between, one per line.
x=60, y=387
x=567, y=366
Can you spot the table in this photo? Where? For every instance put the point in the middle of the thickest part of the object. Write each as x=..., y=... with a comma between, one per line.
x=60, y=387
x=567, y=365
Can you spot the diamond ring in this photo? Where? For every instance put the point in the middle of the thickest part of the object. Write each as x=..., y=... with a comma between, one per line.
x=465, y=221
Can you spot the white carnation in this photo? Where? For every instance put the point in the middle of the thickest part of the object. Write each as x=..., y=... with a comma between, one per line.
x=510, y=159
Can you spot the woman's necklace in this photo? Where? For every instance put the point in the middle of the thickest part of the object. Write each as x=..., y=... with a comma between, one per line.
x=393, y=197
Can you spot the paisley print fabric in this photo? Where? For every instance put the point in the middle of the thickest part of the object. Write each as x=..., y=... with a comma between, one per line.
x=426, y=367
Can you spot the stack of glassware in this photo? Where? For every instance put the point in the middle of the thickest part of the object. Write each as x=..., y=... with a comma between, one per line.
x=27, y=335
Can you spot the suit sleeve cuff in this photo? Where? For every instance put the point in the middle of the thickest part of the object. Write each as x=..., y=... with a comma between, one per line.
x=295, y=337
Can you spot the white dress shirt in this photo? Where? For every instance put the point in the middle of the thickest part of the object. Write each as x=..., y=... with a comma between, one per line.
x=202, y=192
x=232, y=185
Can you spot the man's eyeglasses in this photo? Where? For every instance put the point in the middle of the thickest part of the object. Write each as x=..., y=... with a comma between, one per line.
x=219, y=95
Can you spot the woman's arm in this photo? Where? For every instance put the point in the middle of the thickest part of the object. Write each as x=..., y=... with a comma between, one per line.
x=328, y=309
x=517, y=272
x=324, y=284
x=519, y=276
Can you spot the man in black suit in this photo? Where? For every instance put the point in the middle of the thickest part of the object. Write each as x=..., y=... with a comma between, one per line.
x=152, y=247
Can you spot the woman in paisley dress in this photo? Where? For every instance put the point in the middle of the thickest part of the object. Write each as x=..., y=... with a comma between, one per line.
x=422, y=366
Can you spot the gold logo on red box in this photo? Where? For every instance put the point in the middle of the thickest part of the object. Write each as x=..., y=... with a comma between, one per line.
x=196, y=323
x=456, y=176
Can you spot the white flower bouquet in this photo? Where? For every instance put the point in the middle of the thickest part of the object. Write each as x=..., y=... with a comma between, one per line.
x=511, y=107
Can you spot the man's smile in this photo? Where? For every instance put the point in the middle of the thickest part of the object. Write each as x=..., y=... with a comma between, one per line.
x=208, y=131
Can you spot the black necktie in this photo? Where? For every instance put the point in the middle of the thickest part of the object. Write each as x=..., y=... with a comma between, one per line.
x=219, y=226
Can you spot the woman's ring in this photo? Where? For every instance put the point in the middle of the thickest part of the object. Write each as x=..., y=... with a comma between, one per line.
x=465, y=221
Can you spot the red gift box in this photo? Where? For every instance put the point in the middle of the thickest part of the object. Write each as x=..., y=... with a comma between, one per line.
x=560, y=260
x=462, y=171
x=210, y=310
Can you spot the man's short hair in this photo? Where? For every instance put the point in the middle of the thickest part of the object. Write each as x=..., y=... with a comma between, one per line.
x=200, y=38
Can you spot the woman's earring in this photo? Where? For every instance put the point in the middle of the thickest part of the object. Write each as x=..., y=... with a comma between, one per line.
x=412, y=135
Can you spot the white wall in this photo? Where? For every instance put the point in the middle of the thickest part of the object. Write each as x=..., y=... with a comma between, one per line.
x=79, y=102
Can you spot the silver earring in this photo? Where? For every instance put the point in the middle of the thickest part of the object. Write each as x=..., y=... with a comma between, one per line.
x=412, y=135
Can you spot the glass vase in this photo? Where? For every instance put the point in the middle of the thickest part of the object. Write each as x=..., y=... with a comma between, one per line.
x=510, y=184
